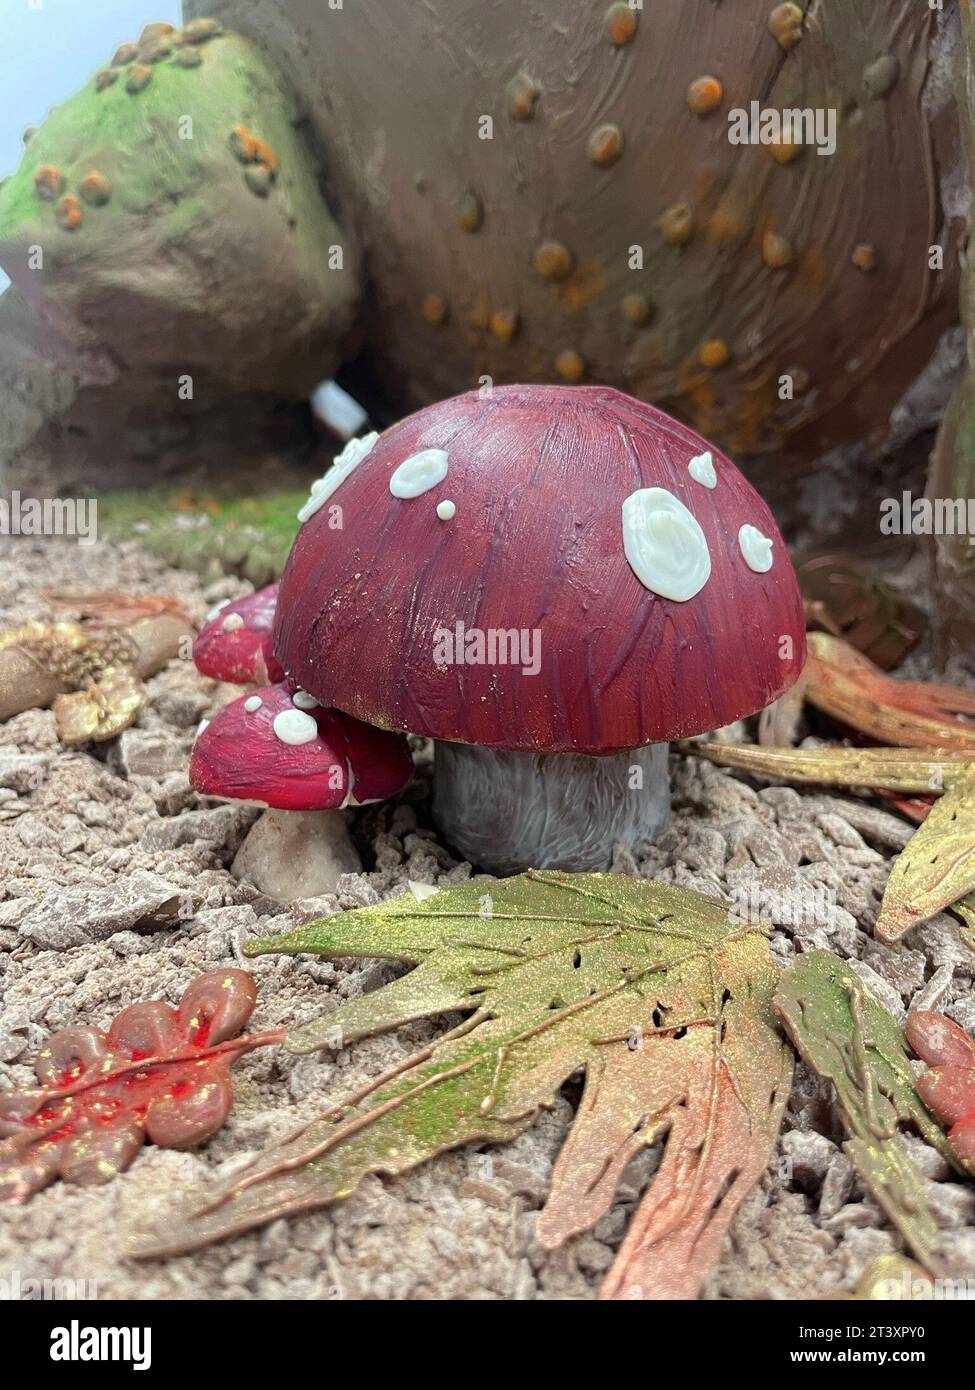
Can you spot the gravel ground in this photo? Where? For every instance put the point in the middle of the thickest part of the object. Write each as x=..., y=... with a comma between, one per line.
x=99, y=845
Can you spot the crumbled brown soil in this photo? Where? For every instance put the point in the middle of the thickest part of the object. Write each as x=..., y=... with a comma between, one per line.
x=102, y=849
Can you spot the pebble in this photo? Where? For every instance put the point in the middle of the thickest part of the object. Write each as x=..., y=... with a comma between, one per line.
x=810, y=1155
x=881, y=990
x=66, y=917
x=837, y=1186
x=935, y=992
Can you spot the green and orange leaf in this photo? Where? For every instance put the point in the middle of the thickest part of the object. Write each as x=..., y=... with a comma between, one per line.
x=657, y=994
x=842, y=1032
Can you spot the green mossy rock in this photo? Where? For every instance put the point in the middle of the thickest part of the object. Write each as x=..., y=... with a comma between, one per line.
x=174, y=263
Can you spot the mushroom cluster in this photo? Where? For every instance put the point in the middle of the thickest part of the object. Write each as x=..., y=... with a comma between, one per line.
x=552, y=583
x=278, y=748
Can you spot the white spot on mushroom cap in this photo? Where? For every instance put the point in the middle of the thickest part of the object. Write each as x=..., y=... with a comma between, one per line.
x=756, y=548
x=252, y=703
x=702, y=471
x=664, y=544
x=303, y=700
x=203, y=724
x=343, y=464
x=446, y=510
x=419, y=473
x=295, y=727
x=233, y=622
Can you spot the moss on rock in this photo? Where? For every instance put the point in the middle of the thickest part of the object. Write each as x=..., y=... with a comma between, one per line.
x=182, y=264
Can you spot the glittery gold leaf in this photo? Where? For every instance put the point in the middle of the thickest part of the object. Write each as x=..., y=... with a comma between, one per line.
x=846, y=1036
x=656, y=993
x=102, y=710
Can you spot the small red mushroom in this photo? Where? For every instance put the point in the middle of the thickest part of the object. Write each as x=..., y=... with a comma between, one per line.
x=279, y=747
x=235, y=642
x=948, y=1086
x=553, y=582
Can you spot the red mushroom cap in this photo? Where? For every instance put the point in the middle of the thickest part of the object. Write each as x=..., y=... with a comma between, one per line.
x=240, y=652
x=296, y=757
x=525, y=535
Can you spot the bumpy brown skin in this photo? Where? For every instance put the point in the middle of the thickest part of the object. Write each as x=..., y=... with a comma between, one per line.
x=407, y=160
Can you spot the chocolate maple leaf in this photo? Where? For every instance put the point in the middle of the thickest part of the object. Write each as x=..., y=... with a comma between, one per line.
x=159, y=1073
x=658, y=994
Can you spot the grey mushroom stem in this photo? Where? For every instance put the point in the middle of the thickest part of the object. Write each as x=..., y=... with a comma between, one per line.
x=509, y=811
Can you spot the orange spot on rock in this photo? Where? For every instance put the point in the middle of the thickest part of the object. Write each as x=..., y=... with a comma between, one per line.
x=553, y=260
x=725, y=223
x=243, y=143
x=583, y=286
x=264, y=154
x=522, y=93
x=676, y=224
x=68, y=213
x=504, y=324
x=470, y=211
x=434, y=309
x=621, y=22
x=105, y=78
x=714, y=353
x=199, y=31
x=636, y=308
x=785, y=25
x=605, y=144
x=95, y=188
x=48, y=182
x=124, y=54
x=158, y=29
x=139, y=77
x=570, y=365
x=864, y=258
x=704, y=95
x=777, y=251
x=784, y=151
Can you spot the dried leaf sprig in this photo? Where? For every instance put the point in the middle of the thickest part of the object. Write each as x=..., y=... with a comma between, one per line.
x=917, y=714
x=907, y=771
x=158, y=1073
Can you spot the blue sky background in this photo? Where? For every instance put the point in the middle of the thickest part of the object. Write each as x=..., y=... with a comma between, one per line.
x=51, y=48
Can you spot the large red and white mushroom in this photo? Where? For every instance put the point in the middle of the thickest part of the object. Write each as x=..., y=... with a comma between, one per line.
x=278, y=747
x=553, y=583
